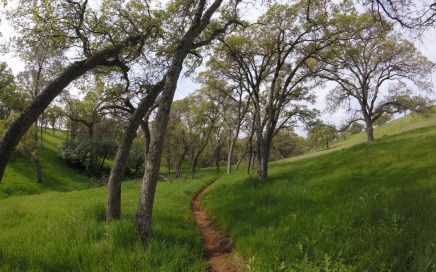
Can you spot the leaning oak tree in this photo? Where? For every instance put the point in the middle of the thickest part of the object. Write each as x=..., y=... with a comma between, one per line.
x=377, y=73
x=192, y=28
x=103, y=37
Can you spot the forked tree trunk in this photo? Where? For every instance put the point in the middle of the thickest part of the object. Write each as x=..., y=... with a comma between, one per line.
x=180, y=161
x=145, y=207
x=120, y=162
x=30, y=114
x=144, y=212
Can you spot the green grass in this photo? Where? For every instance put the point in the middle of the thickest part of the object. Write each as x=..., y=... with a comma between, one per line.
x=404, y=124
x=19, y=178
x=66, y=231
x=371, y=207
x=401, y=125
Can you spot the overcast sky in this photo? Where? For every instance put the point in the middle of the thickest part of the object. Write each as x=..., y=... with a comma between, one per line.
x=427, y=45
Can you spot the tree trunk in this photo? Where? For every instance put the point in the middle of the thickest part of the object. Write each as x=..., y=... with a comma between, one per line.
x=102, y=163
x=194, y=165
x=169, y=161
x=38, y=170
x=151, y=175
x=230, y=156
x=180, y=161
x=369, y=131
x=119, y=165
x=218, y=157
x=262, y=170
x=148, y=188
x=240, y=159
x=30, y=114
x=250, y=161
x=147, y=138
x=41, y=131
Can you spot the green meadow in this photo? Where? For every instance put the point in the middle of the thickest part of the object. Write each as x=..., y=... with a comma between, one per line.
x=19, y=178
x=370, y=207
x=67, y=231
x=357, y=207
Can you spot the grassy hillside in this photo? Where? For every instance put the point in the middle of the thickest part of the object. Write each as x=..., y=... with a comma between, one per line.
x=65, y=231
x=367, y=208
x=406, y=123
x=403, y=124
x=19, y=178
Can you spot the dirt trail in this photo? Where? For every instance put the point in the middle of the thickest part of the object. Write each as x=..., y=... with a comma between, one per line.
x=217, y=246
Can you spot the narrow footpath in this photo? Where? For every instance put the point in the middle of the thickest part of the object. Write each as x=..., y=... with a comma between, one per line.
x=218, y=249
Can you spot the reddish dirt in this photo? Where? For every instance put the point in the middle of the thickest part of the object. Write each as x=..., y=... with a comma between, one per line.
x=218, y=249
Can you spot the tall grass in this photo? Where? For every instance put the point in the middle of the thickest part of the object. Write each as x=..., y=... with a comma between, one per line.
x=57, y=231
x=371, y=207
x=19, y=178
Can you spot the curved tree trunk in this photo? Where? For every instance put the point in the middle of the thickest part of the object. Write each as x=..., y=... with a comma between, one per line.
x=152, y=166
x=149, y=182
x=119, y=165
x=30, y=114
x=241, y=158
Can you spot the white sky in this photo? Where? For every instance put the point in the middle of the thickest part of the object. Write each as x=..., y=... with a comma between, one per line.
x=427, y=45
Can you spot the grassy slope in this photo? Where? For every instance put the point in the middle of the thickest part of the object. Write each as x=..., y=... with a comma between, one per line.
x=19, y=177
x=64, y=231
x=367, y=208
x=401, y=125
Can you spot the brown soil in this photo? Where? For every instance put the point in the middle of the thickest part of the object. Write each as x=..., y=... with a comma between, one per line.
x=218, y=249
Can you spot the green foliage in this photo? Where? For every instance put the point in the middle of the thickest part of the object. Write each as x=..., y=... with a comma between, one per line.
x=366, y=208
x=10, y=99
x=322, y=135
x=355, y=128
x=57, y=231
x=287, y=144
x=136, y=157
x=87, y=153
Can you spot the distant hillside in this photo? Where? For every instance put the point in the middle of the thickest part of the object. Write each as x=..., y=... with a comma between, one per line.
x=19, y=177
x=400, y=125
x=407, y=123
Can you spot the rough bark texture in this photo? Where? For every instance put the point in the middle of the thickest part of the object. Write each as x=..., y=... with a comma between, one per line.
x=369, y=131
x=152, y=166
x=119, y=165
x=145, y=207
x=30, y=114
